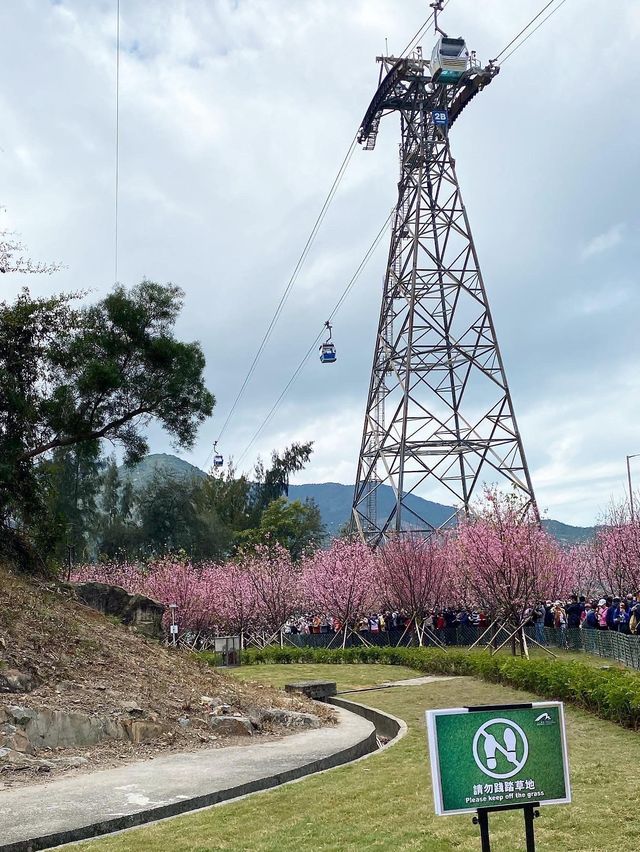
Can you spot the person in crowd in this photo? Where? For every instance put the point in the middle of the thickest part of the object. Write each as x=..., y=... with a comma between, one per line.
x=537, y=617
x=574, y=610
x=548, y=614
x=560, y=620
x=590, y=621
x=613, y=605
x=602, y=614
x=621, y=619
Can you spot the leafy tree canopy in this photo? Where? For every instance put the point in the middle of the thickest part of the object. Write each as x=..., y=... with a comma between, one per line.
x=73, y=374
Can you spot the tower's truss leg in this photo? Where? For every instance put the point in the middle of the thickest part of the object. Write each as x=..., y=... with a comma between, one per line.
x=439, y=419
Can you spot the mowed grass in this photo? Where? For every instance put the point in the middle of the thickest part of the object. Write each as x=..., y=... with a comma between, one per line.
x=385, y=801
x=345, y=676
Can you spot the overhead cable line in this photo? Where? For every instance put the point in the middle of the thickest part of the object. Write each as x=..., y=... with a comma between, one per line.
x=294, y=275
x=305, y=252
x=524, y=29
x=117, y=171
x=543, y=21
x=320, y=334
x=303, y=256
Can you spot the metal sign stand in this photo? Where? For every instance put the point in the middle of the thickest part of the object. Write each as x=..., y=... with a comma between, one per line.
x=530, y=813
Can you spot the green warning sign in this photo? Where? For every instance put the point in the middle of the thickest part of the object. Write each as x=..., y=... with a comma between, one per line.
x=501, y=756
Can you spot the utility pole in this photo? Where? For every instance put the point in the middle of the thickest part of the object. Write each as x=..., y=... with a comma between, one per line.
x=633, y=456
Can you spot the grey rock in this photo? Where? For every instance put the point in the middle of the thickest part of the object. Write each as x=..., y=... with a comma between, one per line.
x=12, y=680
x=289, y=718
x=138, y=611
x=212, y=701
x=230, y=726
x=184, y=722
x=72, y=762
x=132, y=708
x=20, y=715
x=143, y=730
x=58, y=729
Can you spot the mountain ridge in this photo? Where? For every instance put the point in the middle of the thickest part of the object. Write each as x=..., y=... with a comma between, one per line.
x=334, y=499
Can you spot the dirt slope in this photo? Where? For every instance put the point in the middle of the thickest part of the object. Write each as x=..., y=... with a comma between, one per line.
x=82, y=662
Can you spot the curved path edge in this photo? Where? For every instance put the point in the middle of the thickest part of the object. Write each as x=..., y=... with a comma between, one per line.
x=112, y=800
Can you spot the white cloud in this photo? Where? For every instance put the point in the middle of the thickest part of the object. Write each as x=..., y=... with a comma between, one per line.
x=234, y=119
x=604, y=242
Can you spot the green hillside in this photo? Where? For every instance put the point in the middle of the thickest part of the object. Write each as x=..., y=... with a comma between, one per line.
x=332, y=498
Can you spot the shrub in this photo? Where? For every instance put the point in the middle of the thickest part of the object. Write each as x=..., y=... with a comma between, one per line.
x=610, y=693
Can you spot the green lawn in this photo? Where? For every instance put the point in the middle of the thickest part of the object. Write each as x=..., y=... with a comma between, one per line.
x=345, y=676
x=384, y=802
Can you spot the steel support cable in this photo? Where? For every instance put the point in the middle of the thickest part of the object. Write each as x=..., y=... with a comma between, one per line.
x=117, y=164
x=524, y=29
x=543, y=21
x=320, y=334
x=304, y=254
x=292, y=280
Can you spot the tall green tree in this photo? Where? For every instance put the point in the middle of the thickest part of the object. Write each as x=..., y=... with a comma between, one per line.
x=71, y=480
x=73, y=374
x=172, y=517
x=295, y=525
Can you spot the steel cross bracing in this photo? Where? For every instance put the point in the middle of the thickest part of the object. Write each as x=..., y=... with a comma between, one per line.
x=439, y=418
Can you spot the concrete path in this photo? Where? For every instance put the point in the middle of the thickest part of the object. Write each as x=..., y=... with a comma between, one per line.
x=410, y=681
x=417, y=681
x=74, y=808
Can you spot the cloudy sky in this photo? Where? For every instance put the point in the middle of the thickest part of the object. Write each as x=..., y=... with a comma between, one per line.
x=234, y=118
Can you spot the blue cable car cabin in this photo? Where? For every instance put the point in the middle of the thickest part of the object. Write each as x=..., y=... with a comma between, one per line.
x=218, y=460
x=449, y=60
x=327, y=353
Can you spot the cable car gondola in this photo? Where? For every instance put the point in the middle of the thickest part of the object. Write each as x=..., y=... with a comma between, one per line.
x=218, y=460
x=327, y=349
x=449, y=60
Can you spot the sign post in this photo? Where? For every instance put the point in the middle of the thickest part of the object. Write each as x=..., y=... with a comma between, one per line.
x=504, y=757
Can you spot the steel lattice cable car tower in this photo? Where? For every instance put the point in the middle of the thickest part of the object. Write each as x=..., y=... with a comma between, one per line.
x=439, y=417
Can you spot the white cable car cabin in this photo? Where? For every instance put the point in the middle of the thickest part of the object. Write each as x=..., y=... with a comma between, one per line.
x=449, y=60
x=327, y=353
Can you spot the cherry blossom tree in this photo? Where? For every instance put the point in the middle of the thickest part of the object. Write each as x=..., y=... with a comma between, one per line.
x=237, y=608
x=509, y=562
x=341, y=582
x=616, y=551
x=414, y=576
x=275, y=582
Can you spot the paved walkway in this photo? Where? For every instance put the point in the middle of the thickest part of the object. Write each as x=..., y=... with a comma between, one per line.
x=76, y=807
x=417, y=681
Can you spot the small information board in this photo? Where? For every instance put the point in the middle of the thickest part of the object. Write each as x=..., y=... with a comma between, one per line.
x=495, y=757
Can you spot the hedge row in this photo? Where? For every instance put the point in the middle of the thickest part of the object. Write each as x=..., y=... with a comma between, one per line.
x=607, y=692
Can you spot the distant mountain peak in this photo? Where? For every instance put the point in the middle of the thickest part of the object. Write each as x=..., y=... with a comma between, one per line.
x=333, y=498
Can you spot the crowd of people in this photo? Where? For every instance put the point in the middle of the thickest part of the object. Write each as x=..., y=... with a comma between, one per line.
x=621, y=614
x=387, y=621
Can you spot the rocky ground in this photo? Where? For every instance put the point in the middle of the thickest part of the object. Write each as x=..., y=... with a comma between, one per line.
x=79, y=691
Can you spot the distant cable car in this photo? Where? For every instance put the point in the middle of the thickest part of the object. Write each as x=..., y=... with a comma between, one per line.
x=449, y=60
x=327, y=349
x=218, y=460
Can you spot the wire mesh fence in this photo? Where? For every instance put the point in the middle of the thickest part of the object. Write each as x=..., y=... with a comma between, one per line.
x=609, y=644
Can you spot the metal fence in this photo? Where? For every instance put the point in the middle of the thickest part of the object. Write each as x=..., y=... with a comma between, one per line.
x=609, y=644
x=603, y=643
